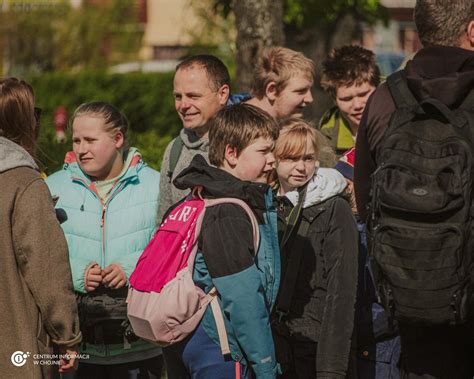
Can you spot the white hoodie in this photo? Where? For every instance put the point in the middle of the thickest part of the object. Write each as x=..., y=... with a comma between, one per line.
x=326, y=183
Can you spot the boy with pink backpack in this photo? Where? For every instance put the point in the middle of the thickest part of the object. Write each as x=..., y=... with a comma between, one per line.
x=236, y=268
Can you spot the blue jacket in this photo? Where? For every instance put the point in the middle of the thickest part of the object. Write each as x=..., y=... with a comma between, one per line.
x=247, y=283
x=114, y=232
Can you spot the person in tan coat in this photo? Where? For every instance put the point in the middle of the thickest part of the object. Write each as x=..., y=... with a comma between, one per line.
x=36, y=295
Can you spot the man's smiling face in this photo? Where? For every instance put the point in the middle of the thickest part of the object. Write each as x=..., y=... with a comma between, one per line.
x=196, y=101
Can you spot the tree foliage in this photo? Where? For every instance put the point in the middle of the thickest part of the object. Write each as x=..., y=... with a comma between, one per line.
x=55, y=36
x=26, y=35
x=305, y=13
x=146, y=100
x=217, y=34
x=95, y=37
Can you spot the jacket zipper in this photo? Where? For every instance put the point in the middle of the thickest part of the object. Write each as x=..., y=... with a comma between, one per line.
x=103, y=218
x=104, y=209
x=102, y=225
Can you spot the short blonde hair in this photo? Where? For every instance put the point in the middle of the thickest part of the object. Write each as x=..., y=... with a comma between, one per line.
x=279, y=65
x=293, y=137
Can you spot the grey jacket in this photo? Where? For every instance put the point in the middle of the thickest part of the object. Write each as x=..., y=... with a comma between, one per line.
x=169, y=194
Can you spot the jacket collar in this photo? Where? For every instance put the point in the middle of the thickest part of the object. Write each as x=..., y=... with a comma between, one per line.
x=326, y=183
x=218, y=183
x=72, y=166
x=192, y=141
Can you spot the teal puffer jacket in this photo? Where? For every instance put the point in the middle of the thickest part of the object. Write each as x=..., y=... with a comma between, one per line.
x=114, y=232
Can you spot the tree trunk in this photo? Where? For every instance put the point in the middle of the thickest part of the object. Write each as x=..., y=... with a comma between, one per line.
x=259, y=24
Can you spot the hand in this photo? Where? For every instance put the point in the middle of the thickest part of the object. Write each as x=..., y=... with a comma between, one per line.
x=113, y=276
x=93, y=278
x=68, y=364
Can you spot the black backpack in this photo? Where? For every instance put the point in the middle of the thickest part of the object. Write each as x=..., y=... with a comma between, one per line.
x=103, y=317
x=422, y=209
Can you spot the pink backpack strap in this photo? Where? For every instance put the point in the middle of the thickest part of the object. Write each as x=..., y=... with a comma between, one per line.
x=197, y=232
x=219, y=318
x=213, y=202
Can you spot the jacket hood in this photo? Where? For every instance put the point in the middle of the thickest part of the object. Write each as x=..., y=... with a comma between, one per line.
x=326, y=183
x=441, y=72
x=13, y=155
x=218, y=183
x=192, y=141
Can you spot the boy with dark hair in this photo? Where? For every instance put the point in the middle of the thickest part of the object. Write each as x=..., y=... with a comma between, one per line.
x=350, y=75
x=241, y=141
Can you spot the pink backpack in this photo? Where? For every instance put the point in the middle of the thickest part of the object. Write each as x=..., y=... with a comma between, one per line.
x=164, y=304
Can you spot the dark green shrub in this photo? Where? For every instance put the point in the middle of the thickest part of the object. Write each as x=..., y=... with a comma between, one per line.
x=146, y=99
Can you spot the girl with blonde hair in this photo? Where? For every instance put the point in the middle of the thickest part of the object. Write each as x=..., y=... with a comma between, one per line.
x=313, y=318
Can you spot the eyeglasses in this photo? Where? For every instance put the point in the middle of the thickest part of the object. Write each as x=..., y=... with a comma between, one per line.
x=38, y=114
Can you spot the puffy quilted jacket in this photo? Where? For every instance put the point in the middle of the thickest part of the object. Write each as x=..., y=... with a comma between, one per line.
x=114, y=232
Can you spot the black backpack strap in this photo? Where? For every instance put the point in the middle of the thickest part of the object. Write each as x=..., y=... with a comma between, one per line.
x=401, y=94
x=431, y=104
x=288, y=284
x=404, y=98
x=294, y=217
x=175, y=153
x=468, y=102
x=406, y=104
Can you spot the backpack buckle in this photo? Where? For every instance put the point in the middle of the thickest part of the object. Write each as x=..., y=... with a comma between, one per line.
x=197, y=192
x=281, y=314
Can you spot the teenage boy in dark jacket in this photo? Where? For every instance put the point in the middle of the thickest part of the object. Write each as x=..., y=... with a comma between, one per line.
x=241, y=141
x=444, y=70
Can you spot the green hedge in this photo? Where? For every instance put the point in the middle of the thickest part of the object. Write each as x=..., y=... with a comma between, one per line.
x=146, y=99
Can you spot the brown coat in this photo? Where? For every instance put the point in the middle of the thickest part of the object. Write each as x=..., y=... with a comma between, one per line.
x=36, y=293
